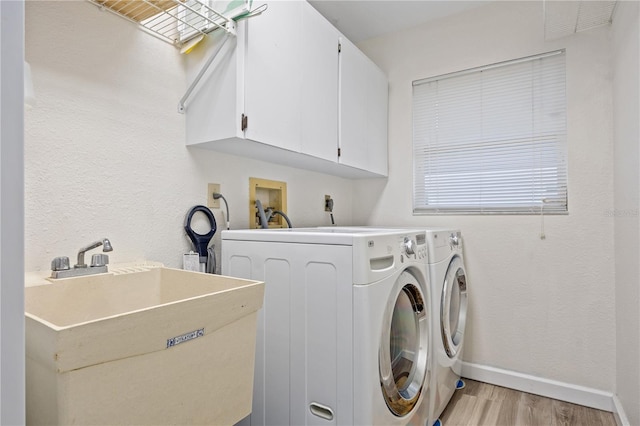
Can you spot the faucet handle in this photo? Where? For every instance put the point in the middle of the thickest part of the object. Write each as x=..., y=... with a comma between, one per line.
x=99, y=259
x=60, y=263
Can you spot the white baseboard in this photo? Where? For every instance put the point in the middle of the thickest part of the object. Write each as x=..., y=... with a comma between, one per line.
x=618, y=412
x=568, y=392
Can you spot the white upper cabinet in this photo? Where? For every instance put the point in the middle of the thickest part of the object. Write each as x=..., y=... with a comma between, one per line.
x=284, y=74
x=320, y=85
x=273, y=77
x=364, y=97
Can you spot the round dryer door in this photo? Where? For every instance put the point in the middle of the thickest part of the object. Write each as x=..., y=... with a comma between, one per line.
x=404, y=346
x=453, y=307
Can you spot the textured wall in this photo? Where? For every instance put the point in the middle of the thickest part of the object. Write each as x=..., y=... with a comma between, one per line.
x=541, y=307
x=105, y=148
x=626, y=109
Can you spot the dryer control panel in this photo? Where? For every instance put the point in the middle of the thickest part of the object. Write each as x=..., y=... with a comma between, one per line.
x=384, y=251
x=442, y=243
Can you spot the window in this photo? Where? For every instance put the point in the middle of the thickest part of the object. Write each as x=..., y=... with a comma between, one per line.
x=492, y=139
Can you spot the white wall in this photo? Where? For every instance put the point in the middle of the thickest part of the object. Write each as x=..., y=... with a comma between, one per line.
x=540, y=307
x=626, y=92
x=105, y=148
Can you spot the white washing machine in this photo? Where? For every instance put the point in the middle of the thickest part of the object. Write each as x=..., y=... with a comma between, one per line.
x=344, y=333
x=448, y=280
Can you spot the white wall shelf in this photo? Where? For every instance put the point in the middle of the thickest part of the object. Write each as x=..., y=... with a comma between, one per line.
x=177, y=22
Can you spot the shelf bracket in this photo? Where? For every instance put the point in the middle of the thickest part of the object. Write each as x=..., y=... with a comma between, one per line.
x=181, y=107
x=230, y=30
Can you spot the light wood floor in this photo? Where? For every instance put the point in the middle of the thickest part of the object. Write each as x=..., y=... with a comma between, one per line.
x=482, y=404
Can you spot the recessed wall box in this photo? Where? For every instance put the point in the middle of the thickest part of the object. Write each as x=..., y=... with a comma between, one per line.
x=272, y=194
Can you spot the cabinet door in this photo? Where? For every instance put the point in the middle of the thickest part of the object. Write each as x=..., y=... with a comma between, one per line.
x=273, y=81
x=376, y=129
x=213, y=110
x=320, y=88
x=363, y=111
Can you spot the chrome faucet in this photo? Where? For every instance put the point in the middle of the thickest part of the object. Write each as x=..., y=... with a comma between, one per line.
x=60, y=265
x=106, y=247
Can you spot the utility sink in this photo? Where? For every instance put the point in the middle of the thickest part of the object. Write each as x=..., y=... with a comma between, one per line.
x=153, y=346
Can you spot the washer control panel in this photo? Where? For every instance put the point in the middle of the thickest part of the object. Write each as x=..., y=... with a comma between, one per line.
x=414, y=246
x=409, y=246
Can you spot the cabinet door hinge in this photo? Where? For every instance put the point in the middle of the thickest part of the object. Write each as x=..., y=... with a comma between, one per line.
x=244, y=122
x=339, y=47
x=339, y=152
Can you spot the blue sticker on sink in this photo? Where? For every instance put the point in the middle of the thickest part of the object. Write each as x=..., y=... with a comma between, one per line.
x=185, y=337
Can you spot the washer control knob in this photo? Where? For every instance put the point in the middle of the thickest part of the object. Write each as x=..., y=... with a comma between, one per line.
x=455, y=240
x=409, y=246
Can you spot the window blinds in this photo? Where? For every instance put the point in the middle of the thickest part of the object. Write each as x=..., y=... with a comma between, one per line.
x=492, y=139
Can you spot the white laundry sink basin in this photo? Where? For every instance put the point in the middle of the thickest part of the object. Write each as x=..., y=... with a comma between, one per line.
x=158, y=346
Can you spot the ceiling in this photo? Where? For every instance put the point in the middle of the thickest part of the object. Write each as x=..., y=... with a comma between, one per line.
x=363, y=19
x=358, y=20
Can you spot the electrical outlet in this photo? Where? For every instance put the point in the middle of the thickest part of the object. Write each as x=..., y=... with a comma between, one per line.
x=211, y=203
x=328, y=203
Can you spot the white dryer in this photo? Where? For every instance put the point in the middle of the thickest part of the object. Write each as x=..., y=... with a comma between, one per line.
x=344, y=333
x=448, y=279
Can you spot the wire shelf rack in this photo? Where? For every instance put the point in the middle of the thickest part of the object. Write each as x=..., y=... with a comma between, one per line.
x=176, y=21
